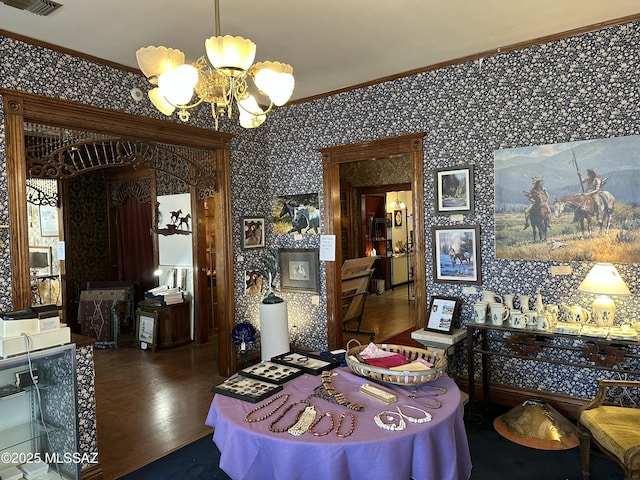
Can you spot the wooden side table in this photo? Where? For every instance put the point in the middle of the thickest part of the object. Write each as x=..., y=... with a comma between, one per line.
x=174, y=323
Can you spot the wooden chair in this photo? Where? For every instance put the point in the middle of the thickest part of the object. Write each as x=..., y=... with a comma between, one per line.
x=615, y=430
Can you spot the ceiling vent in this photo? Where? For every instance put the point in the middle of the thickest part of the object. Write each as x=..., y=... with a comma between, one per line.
x=39, y=7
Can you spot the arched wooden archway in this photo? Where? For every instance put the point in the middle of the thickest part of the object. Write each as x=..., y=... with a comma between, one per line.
x=127, y=133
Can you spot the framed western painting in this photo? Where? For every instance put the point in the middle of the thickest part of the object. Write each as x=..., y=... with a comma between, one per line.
x=456, y=254
x=253, y=232
x=299, y=270
x=442, y=313
x=147, y=329
x=454, y=190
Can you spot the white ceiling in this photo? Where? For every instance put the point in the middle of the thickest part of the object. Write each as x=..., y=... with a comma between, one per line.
x=331, y=44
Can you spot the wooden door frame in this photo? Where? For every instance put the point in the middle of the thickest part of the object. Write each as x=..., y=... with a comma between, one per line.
x=21, y=107
x=332, y=158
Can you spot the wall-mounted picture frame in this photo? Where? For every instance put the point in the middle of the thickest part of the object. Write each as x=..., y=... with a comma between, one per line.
x=147, y=329
x=255, y=283
x=456, y=254
x=397, y=218
x=253, y=232
x=454, y=190
x=48, y=221
x=40, y=260
x=299, y=270
x=442, y=313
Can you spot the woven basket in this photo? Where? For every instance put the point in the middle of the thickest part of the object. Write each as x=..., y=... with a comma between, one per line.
x=398, y=377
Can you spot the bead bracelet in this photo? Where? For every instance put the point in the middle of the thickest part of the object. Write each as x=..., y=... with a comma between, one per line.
x=390, y=417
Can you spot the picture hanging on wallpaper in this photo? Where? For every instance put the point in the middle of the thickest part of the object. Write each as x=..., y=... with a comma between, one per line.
x=299, y=270
x=48, y=221
x=254, y=283
x=296, y=214
x=253, y=232
x=174, y=227
x=456, y=254
x=454, y=190
x=569, y=201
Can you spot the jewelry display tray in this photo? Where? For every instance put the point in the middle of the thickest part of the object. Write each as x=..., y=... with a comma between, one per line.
x=315, y=364
x=271, y=372
x=247, y=389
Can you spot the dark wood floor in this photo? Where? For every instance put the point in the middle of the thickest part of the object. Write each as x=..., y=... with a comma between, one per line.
x=149, y=403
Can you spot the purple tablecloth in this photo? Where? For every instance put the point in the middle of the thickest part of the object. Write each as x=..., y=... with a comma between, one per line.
x=437, y=450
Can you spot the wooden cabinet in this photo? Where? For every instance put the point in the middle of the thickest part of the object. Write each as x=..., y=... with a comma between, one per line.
x=174, y=323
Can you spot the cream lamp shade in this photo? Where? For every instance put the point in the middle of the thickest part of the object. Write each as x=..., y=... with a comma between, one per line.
x=604, y=280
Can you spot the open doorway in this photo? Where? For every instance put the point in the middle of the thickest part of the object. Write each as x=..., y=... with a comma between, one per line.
x=336, y=161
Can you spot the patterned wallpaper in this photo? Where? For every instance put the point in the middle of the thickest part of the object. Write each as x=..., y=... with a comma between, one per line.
x=578, y=88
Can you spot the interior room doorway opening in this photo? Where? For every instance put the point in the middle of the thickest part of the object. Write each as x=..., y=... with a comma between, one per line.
x=409, y=147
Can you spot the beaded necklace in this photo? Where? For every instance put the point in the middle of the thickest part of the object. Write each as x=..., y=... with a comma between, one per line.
x=387, y=421
x=426, y=418
x=306, y=419
x=312, y=427
x=343, y=415
x=266, y=404
x=339, y=398
x=272, y=427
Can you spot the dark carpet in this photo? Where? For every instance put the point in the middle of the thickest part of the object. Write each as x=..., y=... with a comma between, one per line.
x=493, y=457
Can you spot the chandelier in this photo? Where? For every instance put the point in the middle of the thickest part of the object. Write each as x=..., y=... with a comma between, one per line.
x=220, y=82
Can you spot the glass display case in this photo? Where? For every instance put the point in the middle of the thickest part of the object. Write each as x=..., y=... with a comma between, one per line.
x=38, y=413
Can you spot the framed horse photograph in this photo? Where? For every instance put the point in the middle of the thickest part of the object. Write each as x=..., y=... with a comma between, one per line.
x=456, y=254
x=454, y=190
x=299, y=270
x=296, y=214
x=253, y=232
x=575, y=201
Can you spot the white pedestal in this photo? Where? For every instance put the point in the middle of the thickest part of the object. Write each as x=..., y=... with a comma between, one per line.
x=274, y=330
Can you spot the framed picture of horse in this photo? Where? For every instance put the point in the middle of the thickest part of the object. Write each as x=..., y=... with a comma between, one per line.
x=454, y=190
x=299, y=270
x=443, y=311
x=456, y=254
x=253, y=232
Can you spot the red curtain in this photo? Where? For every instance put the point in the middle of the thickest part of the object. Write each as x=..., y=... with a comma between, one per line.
x=135, y=244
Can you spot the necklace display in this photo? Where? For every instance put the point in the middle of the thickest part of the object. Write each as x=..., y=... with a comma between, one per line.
x=266, y=404
x=306, y=419
x=436, y=403
x=315, y=423
x=394, y=421
x=272, y=427
x=343, y=415
x=327, y=385
x=425, y=419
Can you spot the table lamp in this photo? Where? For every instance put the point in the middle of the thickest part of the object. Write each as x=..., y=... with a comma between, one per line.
x=604, y=280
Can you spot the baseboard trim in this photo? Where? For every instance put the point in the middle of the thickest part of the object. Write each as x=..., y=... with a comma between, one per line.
x=92, y=472
x=510, y=396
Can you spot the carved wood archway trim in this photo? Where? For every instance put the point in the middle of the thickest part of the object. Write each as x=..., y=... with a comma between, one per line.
x=21, y=108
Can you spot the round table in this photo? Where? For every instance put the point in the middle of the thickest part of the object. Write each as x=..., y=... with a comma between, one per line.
x=434, y=450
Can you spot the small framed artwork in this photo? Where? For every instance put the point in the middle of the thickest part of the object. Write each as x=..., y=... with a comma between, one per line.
x=389, y=217
x=48, y=221
x=443, y=311
x=454, y=190
x=254, y=282
x=397, y=218
x=147, y=330
x=253, y=232
x=40, y=260
x=299, y=270
x=456, y=254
